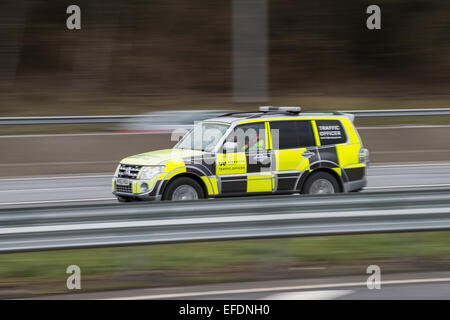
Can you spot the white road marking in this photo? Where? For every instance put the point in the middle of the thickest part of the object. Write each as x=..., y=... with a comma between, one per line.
x=57, y=177
x=419, y=126
x=61, y=163
x=412, y=164
x=409, y=151
x=102, y=199
x=270, y=289
x=309, y=295
x=53, y=201
x=372, y=166
x=410, y=186
x=166, y=133
x=76, y=134
x=53, y=189
x=101, y=176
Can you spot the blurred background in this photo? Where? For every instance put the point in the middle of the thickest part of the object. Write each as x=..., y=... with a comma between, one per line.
x=169, y=60
x=133, y=56
x=178, y=61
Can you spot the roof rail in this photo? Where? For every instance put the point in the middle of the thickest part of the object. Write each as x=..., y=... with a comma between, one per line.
x=286, y=109
x=232, y=113
x=336, y=113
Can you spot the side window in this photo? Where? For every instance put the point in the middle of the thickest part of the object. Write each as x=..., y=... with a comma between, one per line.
x=249, y=137
x=331, y=132
x=291, y=134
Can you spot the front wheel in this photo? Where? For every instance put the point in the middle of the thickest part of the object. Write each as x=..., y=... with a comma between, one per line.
x=183, y=189
x=321, y=183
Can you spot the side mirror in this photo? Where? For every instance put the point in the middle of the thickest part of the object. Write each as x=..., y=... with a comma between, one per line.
x=229, y=147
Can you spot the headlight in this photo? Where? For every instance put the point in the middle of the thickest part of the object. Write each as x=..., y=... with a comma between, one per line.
x=116, y=174
x=148, y=173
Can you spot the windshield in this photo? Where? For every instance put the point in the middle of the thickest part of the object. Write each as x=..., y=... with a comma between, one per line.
x=204, y=136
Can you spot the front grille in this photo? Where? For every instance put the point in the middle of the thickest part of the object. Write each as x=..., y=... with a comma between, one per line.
x=129, y=171
x=124, y=189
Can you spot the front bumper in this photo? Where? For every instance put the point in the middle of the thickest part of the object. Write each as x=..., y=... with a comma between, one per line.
x=355, y=185
x=134, y=190
x=141, y=197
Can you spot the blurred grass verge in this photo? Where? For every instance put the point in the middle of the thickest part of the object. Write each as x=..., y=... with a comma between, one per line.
x=207, y=262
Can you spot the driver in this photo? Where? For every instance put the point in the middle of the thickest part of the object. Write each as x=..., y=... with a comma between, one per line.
x=255, y=144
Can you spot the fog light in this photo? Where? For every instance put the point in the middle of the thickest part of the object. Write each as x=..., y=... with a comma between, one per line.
x=144, y=187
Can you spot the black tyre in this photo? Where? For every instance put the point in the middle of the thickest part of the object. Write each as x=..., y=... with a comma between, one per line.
x=123, y=199
x=183, y=189
x=321, y=183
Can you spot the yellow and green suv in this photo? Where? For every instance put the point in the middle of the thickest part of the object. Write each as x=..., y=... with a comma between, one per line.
x=278, y=150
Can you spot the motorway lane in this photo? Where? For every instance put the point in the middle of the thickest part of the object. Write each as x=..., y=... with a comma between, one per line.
x=55, y=190
x=59, y=190
x=430, y=285
x=403, y=291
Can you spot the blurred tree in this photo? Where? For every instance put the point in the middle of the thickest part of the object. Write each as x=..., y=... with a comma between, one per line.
x=183, y=48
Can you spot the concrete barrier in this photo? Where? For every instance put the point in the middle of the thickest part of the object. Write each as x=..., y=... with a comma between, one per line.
x=100, y=152
x=407, y=144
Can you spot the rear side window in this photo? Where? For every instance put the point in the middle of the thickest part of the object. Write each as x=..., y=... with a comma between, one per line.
x=291, y=134
x=331, y=132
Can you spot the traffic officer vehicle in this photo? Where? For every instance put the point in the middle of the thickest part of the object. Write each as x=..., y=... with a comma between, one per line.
x=278, y=150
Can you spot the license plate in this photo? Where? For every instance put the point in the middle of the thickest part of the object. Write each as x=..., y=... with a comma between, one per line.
x=122, y=182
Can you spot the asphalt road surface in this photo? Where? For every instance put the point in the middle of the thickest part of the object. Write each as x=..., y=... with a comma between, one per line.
x=60, y=190
x=392, y=286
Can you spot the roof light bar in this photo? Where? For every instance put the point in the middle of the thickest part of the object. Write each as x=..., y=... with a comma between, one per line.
x=283, y=108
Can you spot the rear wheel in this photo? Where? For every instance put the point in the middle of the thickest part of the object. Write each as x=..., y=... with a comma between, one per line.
x=183, y=189
x=321, y=183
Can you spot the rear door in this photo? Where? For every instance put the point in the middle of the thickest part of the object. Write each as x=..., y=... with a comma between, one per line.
x=294, y=149
x=341, y=147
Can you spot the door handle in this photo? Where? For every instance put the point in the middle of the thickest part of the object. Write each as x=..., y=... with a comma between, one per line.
x=260, y=157
x=308, y=154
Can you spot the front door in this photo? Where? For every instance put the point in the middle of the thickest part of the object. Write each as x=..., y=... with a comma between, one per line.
x=247, y=168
